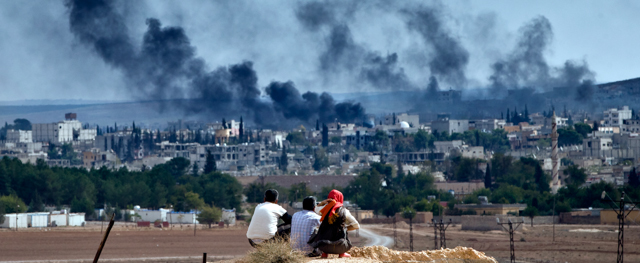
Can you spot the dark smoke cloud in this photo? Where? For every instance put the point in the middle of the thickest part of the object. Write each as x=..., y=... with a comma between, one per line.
x=526, y=65
x=310, y=106
x=165, y=68
x=341, y=53
x=450, y=58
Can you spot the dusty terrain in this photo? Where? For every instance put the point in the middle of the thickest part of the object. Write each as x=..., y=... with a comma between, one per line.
x=573, y=243
x=125, y=244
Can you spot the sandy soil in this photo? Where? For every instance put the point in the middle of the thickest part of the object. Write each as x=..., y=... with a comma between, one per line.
x=573, y=243
x=125, y=244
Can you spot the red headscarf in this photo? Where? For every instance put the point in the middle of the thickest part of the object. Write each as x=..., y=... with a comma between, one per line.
x=331, y=207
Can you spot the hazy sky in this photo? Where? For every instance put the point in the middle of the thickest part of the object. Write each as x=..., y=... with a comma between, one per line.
x=41, y=59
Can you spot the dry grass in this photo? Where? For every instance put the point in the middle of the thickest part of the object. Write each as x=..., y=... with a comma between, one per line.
x=278, y=251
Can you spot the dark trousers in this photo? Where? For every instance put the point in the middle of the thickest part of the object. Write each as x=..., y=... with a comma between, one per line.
x=284, y=231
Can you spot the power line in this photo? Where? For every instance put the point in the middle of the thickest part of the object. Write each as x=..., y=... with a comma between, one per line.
x=511, y=231
x=622, y=215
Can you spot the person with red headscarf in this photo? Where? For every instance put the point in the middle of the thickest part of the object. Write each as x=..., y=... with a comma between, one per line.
x=332, y=236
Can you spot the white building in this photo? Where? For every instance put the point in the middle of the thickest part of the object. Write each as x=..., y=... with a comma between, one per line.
x=10, y=221
x=182, y=218
x=412, y=120
x=615, y=117
x=19, y=136
x=487, y=125
x=632, y=126
x=450, y=126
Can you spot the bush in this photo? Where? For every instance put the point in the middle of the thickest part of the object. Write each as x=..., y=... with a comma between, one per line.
x=274, y=251
x=13, y=204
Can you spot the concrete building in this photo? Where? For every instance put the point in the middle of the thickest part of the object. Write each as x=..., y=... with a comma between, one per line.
x=492, y=209
x=232, y=157
x=412, y=120
x=19, y=136
x=476, y=152
x=487, y=125
x=15, y=221
x=450, y=126
x=596, y=144
x=615, y=117
x=62, y=132
x=631, y=126
x=448, y=146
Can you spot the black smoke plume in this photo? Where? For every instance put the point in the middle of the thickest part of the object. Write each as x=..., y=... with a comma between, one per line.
x=166, y=69
x=341, y=53
x=526, y=65
x=310, y=106
x=450, y=58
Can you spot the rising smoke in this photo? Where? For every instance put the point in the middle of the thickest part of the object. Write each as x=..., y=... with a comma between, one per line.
x=526, y=66
x=166, y=69
x=342, y=54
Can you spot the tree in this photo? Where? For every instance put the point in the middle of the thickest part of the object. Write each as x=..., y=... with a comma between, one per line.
x=487, y=177
x=12, y=204
x=321, y=160
x=325, y=135
x=241, y=130
x=596, y=125
x=209, y=215
x=634, y=179
x=210, y=164
x=193, y=201
x=530, y=212
x=576, y=175
x=194, y=169
x=284, y=160
x=336, y=139
x=508, y=116
x=582, y=128
x=317, y=125
x=36, y=204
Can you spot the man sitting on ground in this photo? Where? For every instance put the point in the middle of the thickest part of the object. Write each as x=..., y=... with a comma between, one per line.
x=302, y=226
x=264, y=223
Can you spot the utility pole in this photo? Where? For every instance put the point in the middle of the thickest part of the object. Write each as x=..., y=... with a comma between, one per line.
x=435, y=234
x=395, y=233
x=622, y=215
x=411, y=234
x=511, y=231
x=442, y=228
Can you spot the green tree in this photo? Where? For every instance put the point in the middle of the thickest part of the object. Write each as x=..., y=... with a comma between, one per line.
x=12, y=204
x=296, y=138
x=321, y=161
x=569, y=136
x=530, y=212
x=255, y=191
x=634, y=179
x=194, y=169
x=336, y=139
x=298, y=191
x=576, y=175
x=487, y=177
x=210, y=163
x=284, y=160
x=209, y=215
x=193, y=201
x=582, y=128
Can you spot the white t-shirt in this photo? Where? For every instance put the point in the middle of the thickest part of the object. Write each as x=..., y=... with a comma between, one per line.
x=264, y=223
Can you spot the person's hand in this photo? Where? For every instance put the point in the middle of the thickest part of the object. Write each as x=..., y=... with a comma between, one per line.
x=324, y=202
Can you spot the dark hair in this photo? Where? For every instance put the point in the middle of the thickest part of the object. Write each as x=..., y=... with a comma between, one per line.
x=271, y=195
x=309, y=203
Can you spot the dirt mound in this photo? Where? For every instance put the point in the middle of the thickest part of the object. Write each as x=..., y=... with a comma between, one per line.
x=458, y=254
x=402, y=224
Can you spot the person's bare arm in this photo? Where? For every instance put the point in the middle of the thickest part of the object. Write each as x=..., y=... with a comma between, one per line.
x=324, y=202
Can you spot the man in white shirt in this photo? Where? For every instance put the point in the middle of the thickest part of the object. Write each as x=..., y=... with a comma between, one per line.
x=264, y=223
x=302, y=226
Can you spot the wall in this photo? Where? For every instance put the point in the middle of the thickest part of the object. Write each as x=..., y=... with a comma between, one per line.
x=486, y=223
x=37, y=220
x=568, y=218
x=445, y=219
x=76, y=219
x=609, y=217
x=10, y=221
x=181, y=218
x=542, y=220
x=60, y=219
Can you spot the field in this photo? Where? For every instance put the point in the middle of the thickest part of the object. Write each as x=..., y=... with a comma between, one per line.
x=125, y=244
x=573, y=243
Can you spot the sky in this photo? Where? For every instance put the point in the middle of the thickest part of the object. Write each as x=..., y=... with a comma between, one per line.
x=41, y=59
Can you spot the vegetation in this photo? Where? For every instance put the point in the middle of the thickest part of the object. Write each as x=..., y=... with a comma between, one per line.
x=209, y=215
x=274, y=251
x=164, y=185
